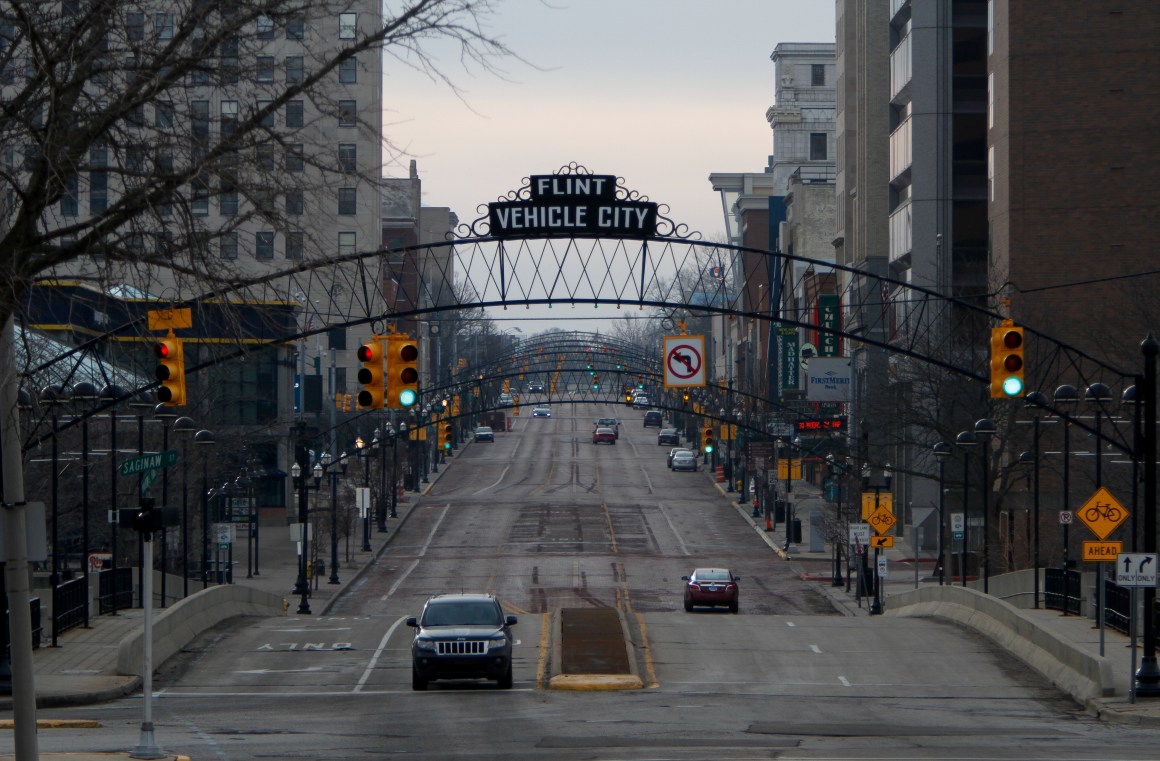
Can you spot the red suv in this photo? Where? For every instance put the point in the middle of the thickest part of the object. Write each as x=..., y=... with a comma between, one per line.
x=712, y=587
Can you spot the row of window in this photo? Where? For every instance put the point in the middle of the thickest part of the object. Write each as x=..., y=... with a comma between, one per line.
x=266, y=243
x=200, y=116
x=228, y=199
x=164, y=25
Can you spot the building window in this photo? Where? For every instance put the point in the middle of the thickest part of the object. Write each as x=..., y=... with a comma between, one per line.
x=817, y=74
x=265, y=153
x=294, y=245
x=70, y=200
x=135, y=27
x=346, y=244
x=347, y=157
x=163, y=24
x=98, y=179
x=163, y=114
x=295, y=71
x=347, y=201
x=265, y=26
x=199, y=74
x=229, y=116
x=294, y=158
x=264, y=244
x=346, y=24
x=296, y=28
x=228, y=200
x=265, y=72
x=295, y=203
x=818, y=146
x=136, y=117
x=347, y=113
x=295, y=114
x=199, y=205
x=267, y=120
x=228, y=246
x=348, y=71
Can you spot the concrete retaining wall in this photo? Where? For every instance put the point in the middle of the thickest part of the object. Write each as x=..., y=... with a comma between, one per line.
x=1081, y=674
x=176, y=626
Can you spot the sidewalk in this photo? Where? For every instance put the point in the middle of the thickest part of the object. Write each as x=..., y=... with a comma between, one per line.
x=1078, y=631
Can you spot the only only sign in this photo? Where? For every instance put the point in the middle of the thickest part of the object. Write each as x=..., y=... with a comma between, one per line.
x=684, y=361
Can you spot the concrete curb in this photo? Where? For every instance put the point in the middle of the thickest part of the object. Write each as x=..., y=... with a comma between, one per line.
x=178, y=625
x=1082, y=675
x=592, y=682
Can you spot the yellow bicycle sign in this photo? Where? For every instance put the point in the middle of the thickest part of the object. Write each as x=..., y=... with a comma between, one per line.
x=1102, y=513
x=882, y=520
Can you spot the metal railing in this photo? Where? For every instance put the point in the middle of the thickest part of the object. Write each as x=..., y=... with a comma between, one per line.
x=68, y=605
x=124, y=598
x=1117, y=607
x=1062, y=590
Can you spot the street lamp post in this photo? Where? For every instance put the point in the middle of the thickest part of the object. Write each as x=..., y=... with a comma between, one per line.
x=85, y=393
x=302, y=586
x=1066, y=397
x=876, y=602
x=394, y=437
x=111, y=394
x=364, y=455
x=52, y=397
x=942, y=451
x=184, y=426
x=966, y=441
x=327, y=462
x=379, y=447
x=1147, y=682
x=203, y=440
x=984, y=430
x=1035, y=401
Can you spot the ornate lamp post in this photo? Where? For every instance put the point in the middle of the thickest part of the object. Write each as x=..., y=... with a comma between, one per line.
x=84, y=394
x=942, y=451
x=203, y=440
x=184, y=427
x=1066, y=397
x=966, y=441
x=364, y=454
x=52, y=397
x=1035, y=402
x=327, y=462
x=984, y=430
x=394, y=437
x=302, y=586
x=109, y=395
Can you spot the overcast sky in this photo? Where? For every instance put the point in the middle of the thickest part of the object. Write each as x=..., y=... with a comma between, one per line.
x=659, y=92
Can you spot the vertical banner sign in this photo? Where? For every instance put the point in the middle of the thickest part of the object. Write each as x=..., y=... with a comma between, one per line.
x=829, y=320
x=787, y=358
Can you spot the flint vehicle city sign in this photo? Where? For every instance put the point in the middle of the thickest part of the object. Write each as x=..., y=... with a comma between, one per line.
x=572, y=204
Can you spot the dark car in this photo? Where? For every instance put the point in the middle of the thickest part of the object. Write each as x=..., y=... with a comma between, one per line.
x=483, y=433
x=712, y=587
x=668, y=436
x=535, y=388
x=684, y=460
x=609, y=422
x=461, y=636
x=542, y=412
x=653, y=419
x=604, y=436
x=673, y=452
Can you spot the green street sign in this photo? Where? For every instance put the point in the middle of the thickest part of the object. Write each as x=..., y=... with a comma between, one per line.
x=150, y=461
x=147, y=479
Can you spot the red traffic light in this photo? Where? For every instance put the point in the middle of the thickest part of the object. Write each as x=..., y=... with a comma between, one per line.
x=1013, y=339
x=161, y=350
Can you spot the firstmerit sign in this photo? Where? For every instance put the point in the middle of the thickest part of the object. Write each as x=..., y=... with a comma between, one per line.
x=566, y=204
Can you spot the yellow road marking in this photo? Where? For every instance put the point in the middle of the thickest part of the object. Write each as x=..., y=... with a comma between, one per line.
x=545, y=642
x=56, y=723
x=608, y=521
x=649, y=666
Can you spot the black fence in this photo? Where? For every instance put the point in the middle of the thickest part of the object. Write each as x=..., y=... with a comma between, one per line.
x=37, y=626
x=1117, y=607
x=120, y=579
x=68, y=606
x=1062, y=590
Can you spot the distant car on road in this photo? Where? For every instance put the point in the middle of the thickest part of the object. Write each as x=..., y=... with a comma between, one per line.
x=684, y=460
x=640, y=402
x=535, y=388
x=673, y=452
x=484, y=433
x=609, y=422
x=668, y=436
x=712, y=587
x=604, y=436
x=506, y=400
x=653, y=419
x=542, y=412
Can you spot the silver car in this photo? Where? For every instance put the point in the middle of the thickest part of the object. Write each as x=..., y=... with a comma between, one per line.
x=685, y=460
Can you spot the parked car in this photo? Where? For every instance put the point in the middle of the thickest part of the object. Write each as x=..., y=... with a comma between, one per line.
x=541, y=412
x=712, y=587
x=604, y=436
x=653, y=419
x=484, y=433
x=609, y=422
x=668, y=436
x=673, y=452
x=684, y=460
x=461, y=636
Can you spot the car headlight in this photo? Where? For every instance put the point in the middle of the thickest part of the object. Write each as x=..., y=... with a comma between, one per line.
x=496, y=644
x=425, y=644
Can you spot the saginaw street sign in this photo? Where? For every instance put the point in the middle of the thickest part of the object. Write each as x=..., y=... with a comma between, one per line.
x=572, y=204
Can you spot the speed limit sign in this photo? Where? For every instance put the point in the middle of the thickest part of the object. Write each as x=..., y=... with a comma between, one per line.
x=1065, y=517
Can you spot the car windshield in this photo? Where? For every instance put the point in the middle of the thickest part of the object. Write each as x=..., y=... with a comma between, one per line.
x=482, y=430
x=462, y=614
x=713, y=576
x=684, y=454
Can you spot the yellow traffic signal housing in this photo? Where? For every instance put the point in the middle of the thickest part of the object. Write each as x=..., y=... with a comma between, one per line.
x=170, y=371
x=372, y=375
x=707, y=439
x=402, y=371
x=445, y=436
x=1007, y=362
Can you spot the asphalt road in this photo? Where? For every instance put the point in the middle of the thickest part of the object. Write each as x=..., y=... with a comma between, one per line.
x=544, y=519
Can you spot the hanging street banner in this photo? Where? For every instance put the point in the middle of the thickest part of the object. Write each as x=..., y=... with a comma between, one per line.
x=788, y=358
x=572, y=204
x=829, y=379
x=829, y=318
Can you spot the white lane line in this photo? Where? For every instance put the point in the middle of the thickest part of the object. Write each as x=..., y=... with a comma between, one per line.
x=493, y=484
x=845, y=682
x=790, y=623
x=680, y=540
x=816, y=649
x=422, y=552
x=378, y=652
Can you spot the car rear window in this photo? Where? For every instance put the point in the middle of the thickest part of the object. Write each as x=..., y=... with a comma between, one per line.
x=461, y=614
x=713, y=576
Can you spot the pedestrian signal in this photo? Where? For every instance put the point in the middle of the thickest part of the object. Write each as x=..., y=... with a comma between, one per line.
x=170, y=371
x=371, y=375
x=1007, y=362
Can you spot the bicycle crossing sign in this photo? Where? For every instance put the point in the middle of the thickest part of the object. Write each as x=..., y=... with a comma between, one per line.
x=882, y=520
x=1102, y=513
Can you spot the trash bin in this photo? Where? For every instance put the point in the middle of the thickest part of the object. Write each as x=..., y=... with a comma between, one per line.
x=796, y=533
x=779, y=506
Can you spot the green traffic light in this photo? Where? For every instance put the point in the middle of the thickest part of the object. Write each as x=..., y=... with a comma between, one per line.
x=708, y=449
x=1012, y=386
x=407, y=397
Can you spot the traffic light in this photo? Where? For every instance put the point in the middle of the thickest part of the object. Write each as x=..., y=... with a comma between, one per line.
x=628, y=398
x=170, y=371
x=445, y=436
x=402, y=371
x=596, y=382
x=707, y=439
x=1007, y=362
x=685, y=399
x=371, y=375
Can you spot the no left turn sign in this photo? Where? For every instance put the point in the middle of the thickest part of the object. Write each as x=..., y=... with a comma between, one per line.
x=684, y=361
